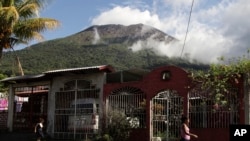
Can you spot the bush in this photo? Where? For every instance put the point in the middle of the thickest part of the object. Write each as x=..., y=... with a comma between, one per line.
x=117, y=127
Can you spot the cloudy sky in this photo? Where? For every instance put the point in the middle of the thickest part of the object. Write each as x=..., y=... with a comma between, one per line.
x=217, y=27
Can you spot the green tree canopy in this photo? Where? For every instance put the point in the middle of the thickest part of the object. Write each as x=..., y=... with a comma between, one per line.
x=2, y=87
x=221, y=77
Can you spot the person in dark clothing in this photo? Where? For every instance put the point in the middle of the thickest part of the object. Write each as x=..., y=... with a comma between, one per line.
x=39, y=129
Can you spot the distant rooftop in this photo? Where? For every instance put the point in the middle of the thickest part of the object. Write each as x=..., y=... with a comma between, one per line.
x=49, y=74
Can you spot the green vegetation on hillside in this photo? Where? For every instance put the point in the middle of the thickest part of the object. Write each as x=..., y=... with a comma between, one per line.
x=78, y=51
x=50, y=55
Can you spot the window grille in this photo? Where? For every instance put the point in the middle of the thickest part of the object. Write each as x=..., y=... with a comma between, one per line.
x=132, y=102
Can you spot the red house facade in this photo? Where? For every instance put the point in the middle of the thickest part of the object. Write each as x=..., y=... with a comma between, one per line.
x=153, y=101
x=168, y=93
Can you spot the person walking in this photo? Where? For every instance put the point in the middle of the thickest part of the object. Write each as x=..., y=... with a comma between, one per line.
x=185, y=131
x=39, y=129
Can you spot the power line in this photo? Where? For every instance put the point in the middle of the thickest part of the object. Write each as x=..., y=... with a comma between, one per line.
x=187, y=28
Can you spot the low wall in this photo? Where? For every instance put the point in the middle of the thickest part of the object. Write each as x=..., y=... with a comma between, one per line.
x=211, y=134
x=3, y=120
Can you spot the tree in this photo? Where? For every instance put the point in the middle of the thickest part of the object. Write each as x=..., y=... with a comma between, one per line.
x=3, y=88
x=220, y=77
x=20, y=22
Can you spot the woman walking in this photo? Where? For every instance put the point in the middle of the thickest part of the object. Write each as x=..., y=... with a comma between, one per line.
x=185, y=131
x=39, y=129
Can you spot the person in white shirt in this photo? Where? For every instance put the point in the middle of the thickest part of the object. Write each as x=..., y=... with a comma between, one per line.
x=185, y=131
x=39, y=129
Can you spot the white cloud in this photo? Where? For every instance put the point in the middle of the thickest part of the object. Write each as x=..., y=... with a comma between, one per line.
x=125, y=16
x=221, y=29
x=236, y=18
x=206, y=44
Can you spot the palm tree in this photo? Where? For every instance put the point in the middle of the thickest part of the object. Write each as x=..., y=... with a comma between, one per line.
x=20, y=22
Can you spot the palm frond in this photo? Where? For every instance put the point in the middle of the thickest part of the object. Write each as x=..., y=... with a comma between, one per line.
x=37, y=36
x=19, y=18
x=25, y=29
x=28, y=11
x=8, y=15
x=7, y=3
x=30, y=8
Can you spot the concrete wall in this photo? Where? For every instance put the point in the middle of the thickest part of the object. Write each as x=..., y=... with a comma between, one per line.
x=58, y=82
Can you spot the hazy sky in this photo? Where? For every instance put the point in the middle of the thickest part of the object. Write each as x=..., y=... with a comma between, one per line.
x=217, y=27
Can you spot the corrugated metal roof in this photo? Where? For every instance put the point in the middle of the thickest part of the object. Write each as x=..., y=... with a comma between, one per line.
x=54, y=73
x=24, y=77
x=102, y=67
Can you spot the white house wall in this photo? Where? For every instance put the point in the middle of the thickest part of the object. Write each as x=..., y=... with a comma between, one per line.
x=58, y=82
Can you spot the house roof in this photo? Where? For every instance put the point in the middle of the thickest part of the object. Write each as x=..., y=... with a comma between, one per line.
x=106, y=68
x=22, y=78
x=49, y=74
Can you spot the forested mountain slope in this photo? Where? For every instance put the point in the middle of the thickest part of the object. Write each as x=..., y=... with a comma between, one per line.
x=96, y=45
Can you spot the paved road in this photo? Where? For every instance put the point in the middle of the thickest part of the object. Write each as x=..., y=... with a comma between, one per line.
x=16, y=136
x=6, y=136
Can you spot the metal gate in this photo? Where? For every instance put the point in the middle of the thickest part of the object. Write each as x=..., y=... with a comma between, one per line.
x=210, y=114
x=131, y=102
x=76, y=111
x=166, y=110
x=30, y=105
